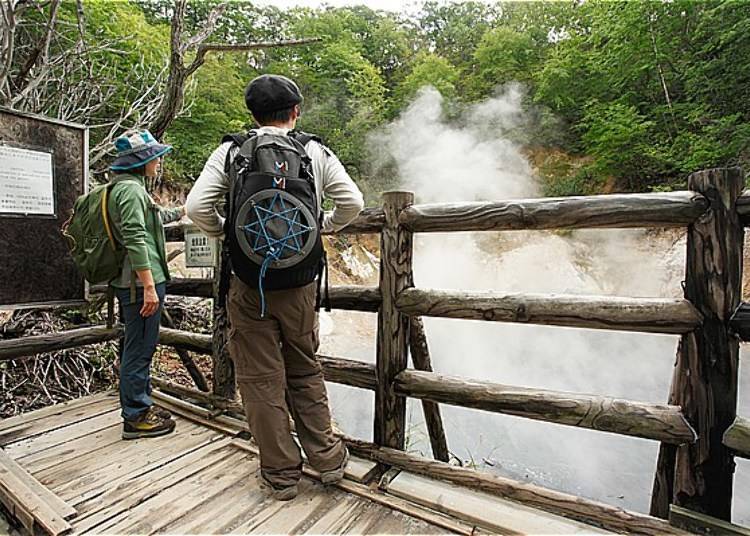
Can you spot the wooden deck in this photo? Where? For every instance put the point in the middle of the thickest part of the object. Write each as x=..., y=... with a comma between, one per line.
x=202, y=479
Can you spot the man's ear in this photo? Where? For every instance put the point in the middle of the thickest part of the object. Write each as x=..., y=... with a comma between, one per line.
x=297, y=111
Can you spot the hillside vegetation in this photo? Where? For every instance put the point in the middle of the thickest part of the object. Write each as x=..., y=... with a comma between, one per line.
x=629, y=96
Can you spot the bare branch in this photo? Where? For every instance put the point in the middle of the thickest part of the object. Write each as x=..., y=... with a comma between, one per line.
x=80, y=17
x=208, y=28
x=140, y=112
x=7, y=42
x=41, y=52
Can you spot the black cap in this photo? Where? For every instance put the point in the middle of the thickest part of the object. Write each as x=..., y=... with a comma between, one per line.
x=271, y=93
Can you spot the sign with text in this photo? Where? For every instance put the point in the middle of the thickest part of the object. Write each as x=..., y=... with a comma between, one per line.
x=43, y=169
x=27, y=185
x=200, y=250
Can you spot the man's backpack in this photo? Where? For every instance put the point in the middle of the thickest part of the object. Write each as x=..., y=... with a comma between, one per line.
x=273, y=219
x=89, y=236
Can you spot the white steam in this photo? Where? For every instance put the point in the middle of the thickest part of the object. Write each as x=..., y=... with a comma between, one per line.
x=438, y=162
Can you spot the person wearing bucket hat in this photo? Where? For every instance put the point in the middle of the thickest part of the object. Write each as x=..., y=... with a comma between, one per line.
x=137, y=225
x=136, y=149
x=274, y=333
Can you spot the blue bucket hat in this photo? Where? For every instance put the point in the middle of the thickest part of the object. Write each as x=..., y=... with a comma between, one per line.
x=135, y=149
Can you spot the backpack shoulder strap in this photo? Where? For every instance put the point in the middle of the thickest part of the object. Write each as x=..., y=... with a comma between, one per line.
x=304, y=137
x=237, y=139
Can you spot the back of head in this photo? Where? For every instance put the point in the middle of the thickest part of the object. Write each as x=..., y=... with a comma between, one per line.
x=271, y=98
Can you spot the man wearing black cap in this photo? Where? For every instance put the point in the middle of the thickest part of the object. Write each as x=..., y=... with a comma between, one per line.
x=273, y=345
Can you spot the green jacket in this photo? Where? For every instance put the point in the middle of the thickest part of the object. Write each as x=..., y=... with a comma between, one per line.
x=137, y=223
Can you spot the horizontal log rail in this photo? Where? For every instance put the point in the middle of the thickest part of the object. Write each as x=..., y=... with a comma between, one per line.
x=348, y=372
x=737, y=437
x=639, y=419
x=672, y=209
x=355, y=298
x=651, y=315
x=194, y=287
x=346, y=297
x=200, y=343
x=51, y=342
x=182, y=391
x=370, y=220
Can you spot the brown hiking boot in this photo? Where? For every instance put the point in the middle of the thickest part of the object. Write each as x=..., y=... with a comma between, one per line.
x=148, y=424
x=280, y=493
x=335, y=476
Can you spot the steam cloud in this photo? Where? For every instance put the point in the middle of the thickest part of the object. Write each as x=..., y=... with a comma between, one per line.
x=476, y=159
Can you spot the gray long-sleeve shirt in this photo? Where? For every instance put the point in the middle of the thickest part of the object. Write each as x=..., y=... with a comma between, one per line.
x=331, y=181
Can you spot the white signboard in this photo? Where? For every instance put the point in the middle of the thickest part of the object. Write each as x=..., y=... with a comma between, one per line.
x=26, y=182
x=200, y=250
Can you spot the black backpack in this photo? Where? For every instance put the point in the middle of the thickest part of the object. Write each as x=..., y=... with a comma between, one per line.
x=273, y=219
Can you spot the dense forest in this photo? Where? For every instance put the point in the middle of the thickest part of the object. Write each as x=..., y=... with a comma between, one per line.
x=624, y=96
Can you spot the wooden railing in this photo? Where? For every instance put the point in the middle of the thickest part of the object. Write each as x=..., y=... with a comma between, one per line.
x=697, y=428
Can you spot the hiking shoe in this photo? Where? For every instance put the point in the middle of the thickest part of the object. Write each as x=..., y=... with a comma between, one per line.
x=335, y=476
x=148, y=424
x=280, y=493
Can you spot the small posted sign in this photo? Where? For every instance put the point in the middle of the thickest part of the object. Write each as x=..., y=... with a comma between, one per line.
x=200, y=250
x=26, y=181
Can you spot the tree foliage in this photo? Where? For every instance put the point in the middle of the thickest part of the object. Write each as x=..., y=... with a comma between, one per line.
x=645, y=92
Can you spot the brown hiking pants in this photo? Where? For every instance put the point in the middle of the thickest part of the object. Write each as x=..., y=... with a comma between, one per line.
x=278, y=374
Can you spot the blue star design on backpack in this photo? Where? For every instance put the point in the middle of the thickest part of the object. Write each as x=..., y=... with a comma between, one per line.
x=265, y=244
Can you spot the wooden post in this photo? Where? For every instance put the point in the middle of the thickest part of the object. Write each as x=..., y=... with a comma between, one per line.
x=420, y=356
x=223, y=369
x=393, y=327
x=699, y=476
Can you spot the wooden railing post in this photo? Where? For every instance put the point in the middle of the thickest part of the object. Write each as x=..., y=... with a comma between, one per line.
x=704, y=384
x=393, y=327
x=223, y=369
x=420, y=356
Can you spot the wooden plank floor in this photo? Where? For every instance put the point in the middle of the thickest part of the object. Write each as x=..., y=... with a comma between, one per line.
x=193, y=481
x=203, y=480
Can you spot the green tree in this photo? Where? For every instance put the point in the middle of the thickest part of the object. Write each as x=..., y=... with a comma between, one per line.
x=503, y=55
x=427, y=70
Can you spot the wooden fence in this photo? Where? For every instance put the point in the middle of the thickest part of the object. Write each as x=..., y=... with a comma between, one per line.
x=698, y=428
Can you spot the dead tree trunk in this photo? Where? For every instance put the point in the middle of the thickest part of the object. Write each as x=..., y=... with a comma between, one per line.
x=699, y=476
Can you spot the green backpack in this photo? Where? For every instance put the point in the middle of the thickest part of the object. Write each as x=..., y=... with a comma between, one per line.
x=89, y=235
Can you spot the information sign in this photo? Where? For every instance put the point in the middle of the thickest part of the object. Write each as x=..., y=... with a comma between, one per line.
x=200, y=250
x=26, y=182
